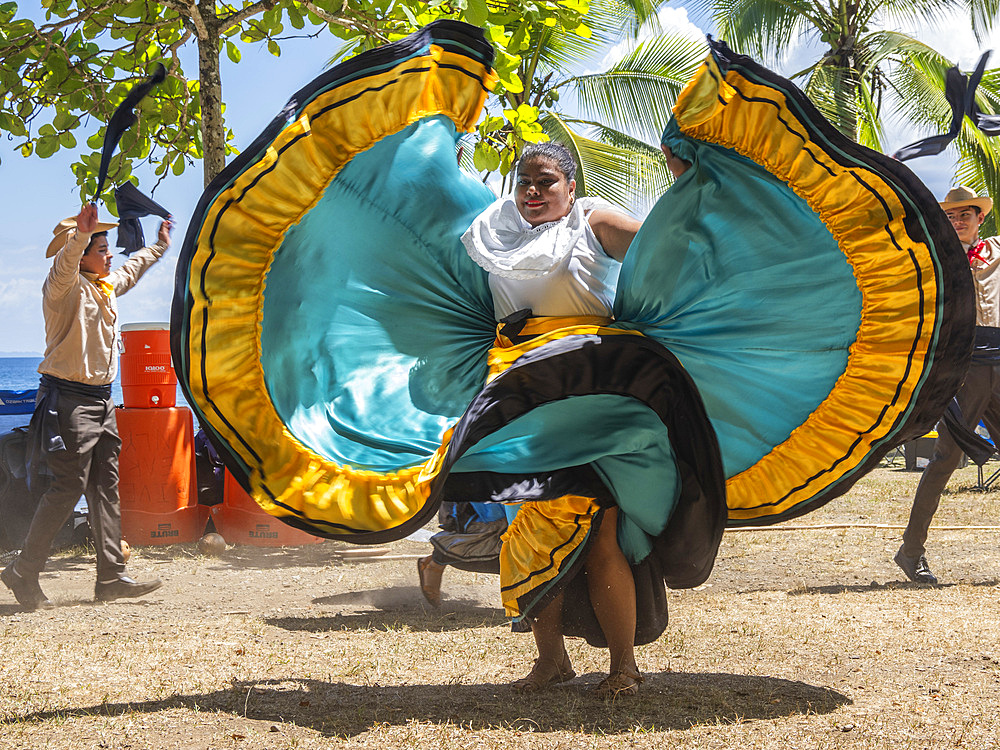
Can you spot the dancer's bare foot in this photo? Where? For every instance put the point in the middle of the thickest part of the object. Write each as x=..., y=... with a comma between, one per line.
x=545, y=673
x=430, y=579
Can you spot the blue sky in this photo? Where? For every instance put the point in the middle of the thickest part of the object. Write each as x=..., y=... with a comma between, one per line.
x=39, y=193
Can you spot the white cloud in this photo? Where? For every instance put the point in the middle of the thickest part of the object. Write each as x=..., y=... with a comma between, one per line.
x=954, y=39
x=21, y=297
x=671, y=19
x=13, y=291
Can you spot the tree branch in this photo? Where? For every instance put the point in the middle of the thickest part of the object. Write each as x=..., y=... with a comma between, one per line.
x=177, y=6
x=340, y=20
x=192, y=13
x=175, y=64
x=238, y=17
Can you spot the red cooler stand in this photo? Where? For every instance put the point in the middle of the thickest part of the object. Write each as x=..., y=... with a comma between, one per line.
x=241, y=521
x=157, y=476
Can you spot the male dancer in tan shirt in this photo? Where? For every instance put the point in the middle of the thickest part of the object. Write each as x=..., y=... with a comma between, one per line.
x=73, y=428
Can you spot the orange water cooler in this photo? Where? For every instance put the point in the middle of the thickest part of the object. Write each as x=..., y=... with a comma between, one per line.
x=241, y=521
x=148, y=377
x=157, y=479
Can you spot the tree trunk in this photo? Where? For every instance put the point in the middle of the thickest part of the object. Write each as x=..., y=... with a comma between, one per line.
x=849, y=124
x=213, y=134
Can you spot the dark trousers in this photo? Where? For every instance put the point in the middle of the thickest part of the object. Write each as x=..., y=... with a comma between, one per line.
x=88, y=466
x=979, y=398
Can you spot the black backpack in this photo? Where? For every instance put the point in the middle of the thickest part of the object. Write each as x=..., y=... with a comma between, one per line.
x=18, y=503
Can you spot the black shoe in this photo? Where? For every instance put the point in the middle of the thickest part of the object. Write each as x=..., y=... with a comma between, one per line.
x=916, y=568
x=124, y=588
x=26, y=590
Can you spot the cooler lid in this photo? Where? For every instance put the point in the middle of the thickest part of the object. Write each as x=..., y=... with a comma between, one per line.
x=146, y=327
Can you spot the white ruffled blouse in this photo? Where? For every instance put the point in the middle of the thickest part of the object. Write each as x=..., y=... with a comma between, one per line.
x=555, y=269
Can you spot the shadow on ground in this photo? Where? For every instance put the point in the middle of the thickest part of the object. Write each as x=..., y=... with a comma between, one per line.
x=668, y=701
x=865, y=588
x=387, y=609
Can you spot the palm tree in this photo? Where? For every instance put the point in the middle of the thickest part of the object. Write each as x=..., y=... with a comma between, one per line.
x=613, y=129
x=868, y=76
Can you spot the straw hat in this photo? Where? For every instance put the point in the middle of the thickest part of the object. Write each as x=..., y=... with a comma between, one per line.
x=963, y=196
x=61, y=233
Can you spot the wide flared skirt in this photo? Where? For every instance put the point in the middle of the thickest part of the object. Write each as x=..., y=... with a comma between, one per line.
x=793, y=307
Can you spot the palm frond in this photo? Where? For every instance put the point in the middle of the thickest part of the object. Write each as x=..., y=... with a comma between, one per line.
x=702, y=10
x=765, y=28
x=869, y=124
x=918, y=90
x=898, y=13
x=988, y=93
x=979, y=168
x=561, y=50
x=889, y=61
x=624, y=17
x=638, y=92
x=608, y=20
x=984, y=17
x=879, y=47
x=650, y=174
x=918, y=81
x=466, y=149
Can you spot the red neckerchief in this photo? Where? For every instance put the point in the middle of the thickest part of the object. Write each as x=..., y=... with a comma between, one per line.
x=975, y=253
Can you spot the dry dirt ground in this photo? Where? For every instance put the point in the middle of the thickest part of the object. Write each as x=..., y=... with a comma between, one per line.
x=807, y=638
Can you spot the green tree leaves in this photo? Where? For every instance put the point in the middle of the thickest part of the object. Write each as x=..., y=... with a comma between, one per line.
x=71, y=71
x=63, y=78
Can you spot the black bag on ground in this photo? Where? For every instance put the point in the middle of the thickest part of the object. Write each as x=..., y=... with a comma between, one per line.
x=18, y=503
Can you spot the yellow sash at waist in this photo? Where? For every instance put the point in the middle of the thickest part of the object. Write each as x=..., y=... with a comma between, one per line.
x=543, y=330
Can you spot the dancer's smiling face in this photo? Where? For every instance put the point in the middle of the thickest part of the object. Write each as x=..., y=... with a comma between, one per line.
x=966, y=220
x=542, y=193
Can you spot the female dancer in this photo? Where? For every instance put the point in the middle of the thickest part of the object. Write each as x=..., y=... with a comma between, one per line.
x=553, y=258
x=791, y=309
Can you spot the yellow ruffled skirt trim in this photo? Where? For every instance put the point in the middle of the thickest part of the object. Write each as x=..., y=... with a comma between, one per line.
x=545, y=537
x=543, y=330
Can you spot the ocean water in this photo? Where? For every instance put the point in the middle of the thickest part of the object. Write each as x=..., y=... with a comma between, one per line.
x=21, y=373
